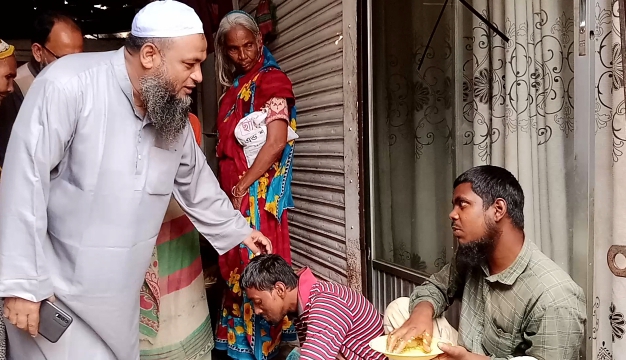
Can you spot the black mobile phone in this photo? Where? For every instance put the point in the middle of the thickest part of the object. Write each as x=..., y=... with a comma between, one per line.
x=52, y=321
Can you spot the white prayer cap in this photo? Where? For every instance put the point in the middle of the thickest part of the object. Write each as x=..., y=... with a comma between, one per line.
x=166, y=19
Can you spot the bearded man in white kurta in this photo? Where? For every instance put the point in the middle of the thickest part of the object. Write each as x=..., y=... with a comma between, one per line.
x=101, y=143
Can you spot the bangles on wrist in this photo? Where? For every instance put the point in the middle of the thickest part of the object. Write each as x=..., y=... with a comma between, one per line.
x=234, y=193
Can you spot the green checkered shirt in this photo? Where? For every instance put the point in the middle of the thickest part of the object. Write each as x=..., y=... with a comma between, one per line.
x=532, y=308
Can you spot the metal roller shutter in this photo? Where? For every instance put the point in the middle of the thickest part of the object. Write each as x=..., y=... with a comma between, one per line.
x=324, y=226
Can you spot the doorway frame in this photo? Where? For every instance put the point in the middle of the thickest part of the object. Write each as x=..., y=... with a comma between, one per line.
x=584, y=154
x=584, y=148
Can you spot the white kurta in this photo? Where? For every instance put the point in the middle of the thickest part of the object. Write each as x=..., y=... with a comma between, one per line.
x=83, y=193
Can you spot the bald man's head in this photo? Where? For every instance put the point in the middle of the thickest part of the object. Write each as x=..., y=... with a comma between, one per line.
x=54, y=36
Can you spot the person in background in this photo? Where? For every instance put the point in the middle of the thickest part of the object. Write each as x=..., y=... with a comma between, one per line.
x=8, y=71
x=333, y=321
x=174, y=316
x=54, y=35
x=515, y=301
x=262, y=191
x=99, y=147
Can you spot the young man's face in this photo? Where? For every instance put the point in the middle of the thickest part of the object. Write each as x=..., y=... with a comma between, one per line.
x=473, y=226
x=468, y=214
x=269, y=304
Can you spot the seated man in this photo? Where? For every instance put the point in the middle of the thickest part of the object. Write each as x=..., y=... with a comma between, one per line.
x=333, y=321
x=515, y=301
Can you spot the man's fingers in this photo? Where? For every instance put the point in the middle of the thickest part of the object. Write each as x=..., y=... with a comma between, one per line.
x=391, y=341
x=21, y=321
x=252, y=246
x=400, y=345
x=23, y=314
x=449, y=349
x=261, y=243
x=8, y=306
x=13, y=317
x=426, y=341
x=267, y=244
x=395, y=338
x=399, y=339
x=33, y=324
x=5, y=310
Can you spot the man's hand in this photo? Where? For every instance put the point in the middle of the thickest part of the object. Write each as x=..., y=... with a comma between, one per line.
x=457, y=353
x=419, y=326
x=23, y=314
x=236, y=202
x=258, y=243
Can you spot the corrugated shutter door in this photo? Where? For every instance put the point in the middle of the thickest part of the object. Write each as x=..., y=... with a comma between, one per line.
x=309, y=48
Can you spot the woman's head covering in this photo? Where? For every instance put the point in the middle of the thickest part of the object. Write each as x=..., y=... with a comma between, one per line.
x=241, y=12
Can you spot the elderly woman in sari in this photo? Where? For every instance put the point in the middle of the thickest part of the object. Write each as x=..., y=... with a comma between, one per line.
x=260, y=190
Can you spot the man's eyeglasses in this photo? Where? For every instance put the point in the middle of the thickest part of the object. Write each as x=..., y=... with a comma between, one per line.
x=51, y=52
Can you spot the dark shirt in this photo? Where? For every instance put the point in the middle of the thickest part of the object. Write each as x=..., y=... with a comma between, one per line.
x=9, y=108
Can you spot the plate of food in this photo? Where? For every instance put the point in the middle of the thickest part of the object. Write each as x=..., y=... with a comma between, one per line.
x=412, y=351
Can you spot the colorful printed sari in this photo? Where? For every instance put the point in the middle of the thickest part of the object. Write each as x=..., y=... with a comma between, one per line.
x=241, y=333
x=174, y=315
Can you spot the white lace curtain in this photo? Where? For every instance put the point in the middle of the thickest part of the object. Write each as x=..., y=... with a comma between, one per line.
x=516, y=111
x=517, y=107
x=609, y=298
x=414, y=115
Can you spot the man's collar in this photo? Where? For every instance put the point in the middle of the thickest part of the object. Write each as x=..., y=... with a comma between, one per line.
x=33, y=70
x=306, y=280
x=510, y=275
x=121, y=74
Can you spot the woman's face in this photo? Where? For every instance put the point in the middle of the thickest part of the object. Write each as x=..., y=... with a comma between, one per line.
x=242, y=47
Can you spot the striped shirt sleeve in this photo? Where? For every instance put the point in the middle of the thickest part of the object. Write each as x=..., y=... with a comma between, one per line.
x=327, y=326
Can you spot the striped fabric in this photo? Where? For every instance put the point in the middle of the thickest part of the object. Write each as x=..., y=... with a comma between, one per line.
x=178, y=249
x=197, y=345
x=174, y=314
x=336, y=322
x=175, y=322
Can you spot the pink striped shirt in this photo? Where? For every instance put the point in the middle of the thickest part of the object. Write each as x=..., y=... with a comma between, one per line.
x=335, y=320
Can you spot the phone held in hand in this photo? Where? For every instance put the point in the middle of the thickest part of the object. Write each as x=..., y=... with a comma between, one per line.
x=52, y=321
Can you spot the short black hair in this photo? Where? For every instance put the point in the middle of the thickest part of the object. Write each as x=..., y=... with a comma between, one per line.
x=133, y=43
x=264, y=271
x=492, y=183
x=42, y=27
